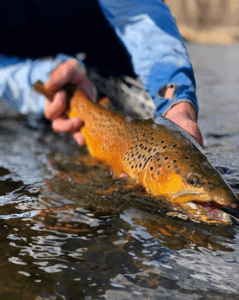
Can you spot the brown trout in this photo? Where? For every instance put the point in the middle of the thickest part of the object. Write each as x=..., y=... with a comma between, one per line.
x=157, y=153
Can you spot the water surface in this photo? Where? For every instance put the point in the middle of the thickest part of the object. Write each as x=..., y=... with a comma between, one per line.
x=70, y=231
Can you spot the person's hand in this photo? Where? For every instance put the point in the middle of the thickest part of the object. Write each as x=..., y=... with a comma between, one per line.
x=69, y=71
x=184, y=115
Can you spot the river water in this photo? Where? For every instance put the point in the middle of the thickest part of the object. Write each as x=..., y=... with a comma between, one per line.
x=70, y=231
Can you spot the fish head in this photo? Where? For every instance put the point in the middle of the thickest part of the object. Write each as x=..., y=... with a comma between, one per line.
x=201, y=182
x=188, y=177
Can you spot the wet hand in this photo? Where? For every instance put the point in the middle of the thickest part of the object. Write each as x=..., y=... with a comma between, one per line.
x=184, y=115
x=69, y=71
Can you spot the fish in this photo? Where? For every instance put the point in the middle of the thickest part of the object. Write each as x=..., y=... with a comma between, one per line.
x=158, y=154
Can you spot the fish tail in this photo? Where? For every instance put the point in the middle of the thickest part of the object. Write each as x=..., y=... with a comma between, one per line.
x=79, y=103
x=38, y=86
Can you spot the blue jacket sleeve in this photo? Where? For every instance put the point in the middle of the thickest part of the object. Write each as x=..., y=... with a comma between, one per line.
x=157, y=50
x=17, y=77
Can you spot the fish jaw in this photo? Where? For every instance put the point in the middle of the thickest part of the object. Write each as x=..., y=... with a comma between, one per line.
x=210, y=199
x=207, y=213
x=223, y=197
x=212, y=205
x=216, y=207
x=183, y=197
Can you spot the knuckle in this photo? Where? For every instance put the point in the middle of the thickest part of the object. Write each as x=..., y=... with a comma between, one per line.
x=47, y=114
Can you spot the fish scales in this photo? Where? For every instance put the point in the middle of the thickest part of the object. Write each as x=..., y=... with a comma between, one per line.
x=161, y=156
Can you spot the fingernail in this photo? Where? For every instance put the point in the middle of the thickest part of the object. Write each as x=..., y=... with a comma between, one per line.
x=76, y=122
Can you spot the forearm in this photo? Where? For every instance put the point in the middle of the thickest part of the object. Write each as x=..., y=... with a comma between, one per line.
x=182, y=107
x=17, y=77
x=158, y=52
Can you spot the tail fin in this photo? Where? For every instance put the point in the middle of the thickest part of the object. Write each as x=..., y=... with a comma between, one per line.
x=38, y=86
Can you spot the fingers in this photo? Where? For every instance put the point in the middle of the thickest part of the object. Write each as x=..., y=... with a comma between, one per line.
x=188, y=125
x=184, y=115
x=71, y=71
x=193, y=129
x=79, y=138
x=196, y=134
x=55, y=109
x=67, y=125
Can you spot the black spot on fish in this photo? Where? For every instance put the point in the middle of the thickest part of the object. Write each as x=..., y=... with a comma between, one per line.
x=174, y=161
x=175, y=145
x=150, y=150
x=164, y=147
x=162, y=141
x=186, y=157
x=152, y=138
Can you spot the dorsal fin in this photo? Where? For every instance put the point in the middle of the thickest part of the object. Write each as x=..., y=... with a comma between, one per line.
x=105, y=102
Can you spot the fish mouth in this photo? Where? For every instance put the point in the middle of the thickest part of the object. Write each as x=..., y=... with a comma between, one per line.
x=209, y=212
x=202, y=207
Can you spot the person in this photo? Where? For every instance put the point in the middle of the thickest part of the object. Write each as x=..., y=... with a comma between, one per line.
x=147, y=31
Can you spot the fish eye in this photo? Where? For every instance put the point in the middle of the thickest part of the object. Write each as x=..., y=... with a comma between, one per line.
x=192, y=180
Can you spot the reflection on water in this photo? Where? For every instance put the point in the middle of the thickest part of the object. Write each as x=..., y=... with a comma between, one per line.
x=70, y=231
